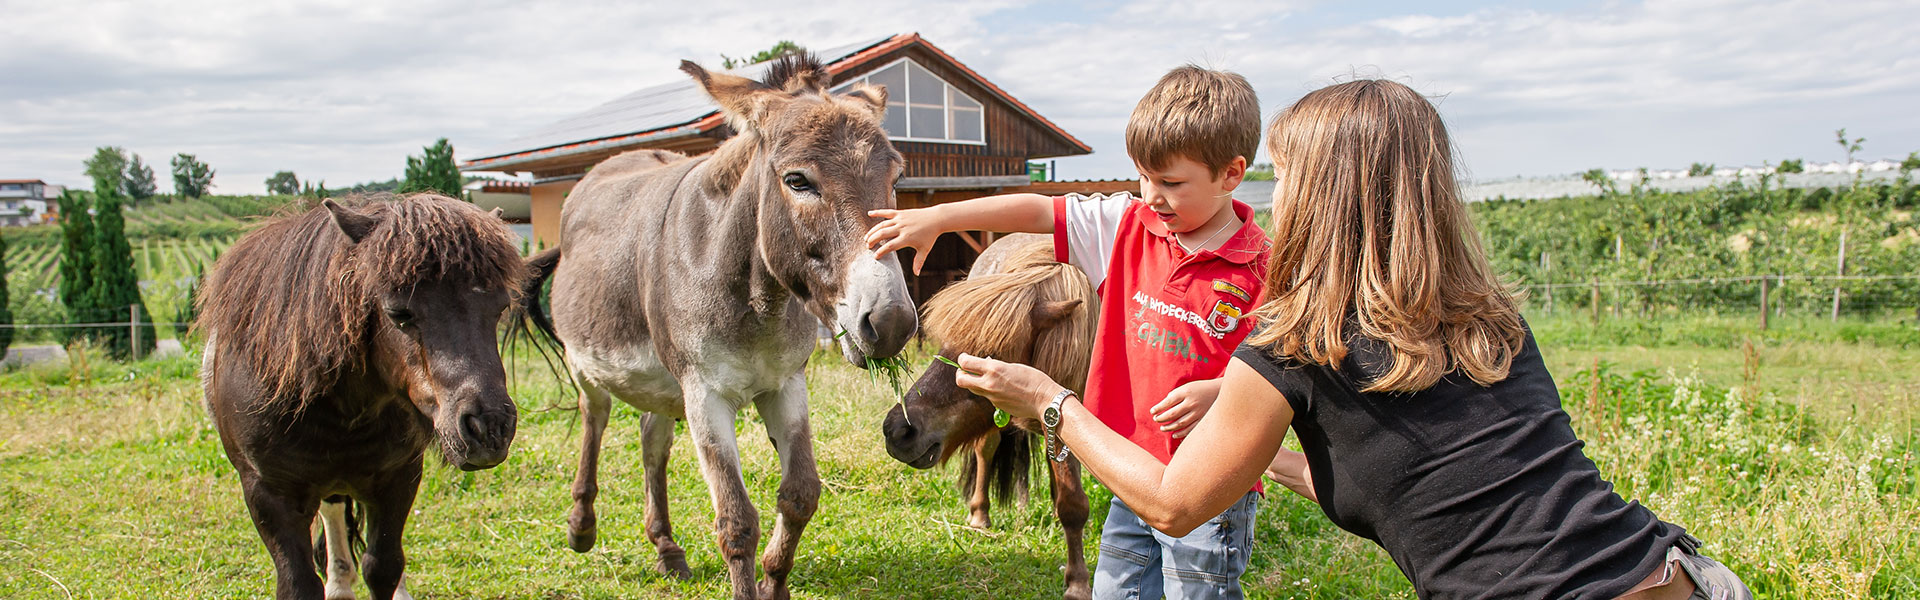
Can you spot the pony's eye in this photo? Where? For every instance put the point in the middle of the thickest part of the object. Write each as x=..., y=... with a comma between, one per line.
x=798, y=182
x=401, y=317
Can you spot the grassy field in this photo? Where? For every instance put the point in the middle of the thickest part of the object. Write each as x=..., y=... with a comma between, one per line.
x=1795, y=460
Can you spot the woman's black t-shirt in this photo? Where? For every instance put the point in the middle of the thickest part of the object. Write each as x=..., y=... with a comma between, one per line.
x=1476, y=492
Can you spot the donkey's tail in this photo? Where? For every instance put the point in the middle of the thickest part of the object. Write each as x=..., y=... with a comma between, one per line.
x=529, y=322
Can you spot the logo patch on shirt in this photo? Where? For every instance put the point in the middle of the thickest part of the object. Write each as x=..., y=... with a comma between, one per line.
x=1222, y=286
x=1225, y=317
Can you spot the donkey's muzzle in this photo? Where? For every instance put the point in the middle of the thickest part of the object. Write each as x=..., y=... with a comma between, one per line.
x=875, y=310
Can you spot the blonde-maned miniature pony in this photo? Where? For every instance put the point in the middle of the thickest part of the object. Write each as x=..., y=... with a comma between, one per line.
x=1017, y=304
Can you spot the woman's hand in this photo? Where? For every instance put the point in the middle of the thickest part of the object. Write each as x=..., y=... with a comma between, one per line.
x=1185, y=405
x=911, y=228
x=1020, y=390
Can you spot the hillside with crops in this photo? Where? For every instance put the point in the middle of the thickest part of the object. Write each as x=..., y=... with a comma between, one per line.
x=173, y=241
x=1728, y=249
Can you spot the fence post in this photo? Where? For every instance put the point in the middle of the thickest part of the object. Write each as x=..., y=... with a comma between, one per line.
x=135, y=328
x=1596, y=302
x=1763, y=303
x=1841, y=269
x=1546, y=266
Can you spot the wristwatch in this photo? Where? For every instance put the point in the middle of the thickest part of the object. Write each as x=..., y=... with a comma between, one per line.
x=1050, y=420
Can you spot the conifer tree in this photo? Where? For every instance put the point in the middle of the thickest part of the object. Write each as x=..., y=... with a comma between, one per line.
x=76, y=260
x=116, y=287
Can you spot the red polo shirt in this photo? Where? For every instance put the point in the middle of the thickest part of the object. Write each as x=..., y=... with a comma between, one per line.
x=1167, y=317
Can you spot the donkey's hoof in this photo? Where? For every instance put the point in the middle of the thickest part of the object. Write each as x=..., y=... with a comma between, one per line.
x=581, y=540
x=581, y=531
x=674, y=564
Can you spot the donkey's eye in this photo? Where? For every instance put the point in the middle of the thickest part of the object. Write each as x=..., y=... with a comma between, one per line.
x=798, y=182
x=401, y=317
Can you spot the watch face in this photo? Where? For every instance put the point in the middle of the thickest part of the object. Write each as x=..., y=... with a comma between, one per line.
x=1051, y=417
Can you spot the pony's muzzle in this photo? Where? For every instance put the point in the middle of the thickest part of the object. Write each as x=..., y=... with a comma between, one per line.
x=909, y=444
x=487, y=435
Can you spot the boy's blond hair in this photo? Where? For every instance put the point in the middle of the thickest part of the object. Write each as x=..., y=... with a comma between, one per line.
x=1371, y=239
x=1202, y=114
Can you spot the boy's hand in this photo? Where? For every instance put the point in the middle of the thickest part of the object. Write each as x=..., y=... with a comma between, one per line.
x=1185, y=405
x=915, y=228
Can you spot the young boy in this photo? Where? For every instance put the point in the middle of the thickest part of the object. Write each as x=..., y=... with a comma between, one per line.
x=1176, y=269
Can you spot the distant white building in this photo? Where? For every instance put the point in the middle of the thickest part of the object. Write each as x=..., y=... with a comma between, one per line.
x=26, y=202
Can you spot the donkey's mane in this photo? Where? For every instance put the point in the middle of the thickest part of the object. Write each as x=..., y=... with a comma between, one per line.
x=799, y=70
x=992, y=315
x=296, y=300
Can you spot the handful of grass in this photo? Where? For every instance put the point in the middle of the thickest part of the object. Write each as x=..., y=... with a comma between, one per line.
x=1000, y=417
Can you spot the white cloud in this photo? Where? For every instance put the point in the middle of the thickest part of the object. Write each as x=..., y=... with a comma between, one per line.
x=344, y=90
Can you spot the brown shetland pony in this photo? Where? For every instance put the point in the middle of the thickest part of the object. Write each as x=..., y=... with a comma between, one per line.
x=1017, y=304
x=341, y=343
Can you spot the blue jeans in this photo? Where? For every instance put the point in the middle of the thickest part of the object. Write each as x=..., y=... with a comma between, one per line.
x=1138, y=562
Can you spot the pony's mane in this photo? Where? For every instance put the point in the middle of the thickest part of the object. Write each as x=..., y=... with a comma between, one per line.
x=991, y=315
x=295, y=300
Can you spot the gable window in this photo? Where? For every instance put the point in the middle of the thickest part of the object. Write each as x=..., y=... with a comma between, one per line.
x=923, y=108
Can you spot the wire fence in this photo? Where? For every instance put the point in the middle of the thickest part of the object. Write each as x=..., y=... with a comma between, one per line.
x=1892, y=297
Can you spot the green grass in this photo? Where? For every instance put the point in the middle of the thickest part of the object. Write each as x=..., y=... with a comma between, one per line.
x=1798, y=471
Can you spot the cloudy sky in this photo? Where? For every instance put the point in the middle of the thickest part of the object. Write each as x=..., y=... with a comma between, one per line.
x=344, y=91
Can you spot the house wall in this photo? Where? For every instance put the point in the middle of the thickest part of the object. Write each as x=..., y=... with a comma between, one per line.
x=545, y=205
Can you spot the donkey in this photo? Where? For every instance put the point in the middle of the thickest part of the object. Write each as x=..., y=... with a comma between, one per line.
x=341, y=343
x=1017, y=304
x=690, y=288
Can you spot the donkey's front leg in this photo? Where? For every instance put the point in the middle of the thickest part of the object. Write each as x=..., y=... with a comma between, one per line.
x=656, y=442
x=785, y=413
x=1070, y=505
x=582, y=528
x=710, y=418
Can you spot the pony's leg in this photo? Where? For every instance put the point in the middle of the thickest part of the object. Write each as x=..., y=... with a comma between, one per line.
x=285, y=525
x=977, y=500
x=340, y=558
x=656, y=442
x=595, y=406
x=785, y=413
x=710, y=419
x=387, y=510
x=1070, y=505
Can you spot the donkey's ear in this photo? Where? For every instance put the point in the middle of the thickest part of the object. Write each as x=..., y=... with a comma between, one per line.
x=874, y=96
x=351, y=222
x=1048, y=314
x=740, y=98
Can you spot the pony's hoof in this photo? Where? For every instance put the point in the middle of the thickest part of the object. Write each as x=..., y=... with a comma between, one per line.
x=771, y=591
x=674, y=564
x=980, y=522
x=333, y=594
x=1080, y=593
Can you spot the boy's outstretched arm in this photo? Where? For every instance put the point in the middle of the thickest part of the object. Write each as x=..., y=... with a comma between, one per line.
x=917, y=228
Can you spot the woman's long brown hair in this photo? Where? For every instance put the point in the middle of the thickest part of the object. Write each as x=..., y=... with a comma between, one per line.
x=1370, y=239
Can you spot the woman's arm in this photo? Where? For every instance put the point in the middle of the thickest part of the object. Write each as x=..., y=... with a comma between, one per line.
x=1289, y=468
x=1219, y=461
